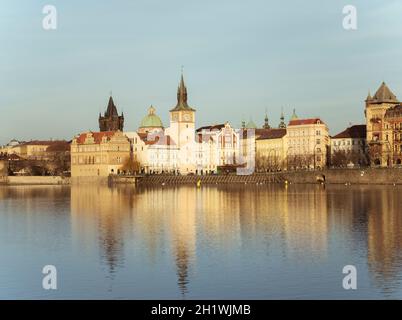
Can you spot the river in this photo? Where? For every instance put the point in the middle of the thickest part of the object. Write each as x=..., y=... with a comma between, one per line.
x=215, y=242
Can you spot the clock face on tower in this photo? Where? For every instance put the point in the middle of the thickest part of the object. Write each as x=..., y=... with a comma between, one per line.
x=187, y=117
x=175, y=117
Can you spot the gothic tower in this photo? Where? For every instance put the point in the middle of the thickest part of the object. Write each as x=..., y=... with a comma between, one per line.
x=111, y=121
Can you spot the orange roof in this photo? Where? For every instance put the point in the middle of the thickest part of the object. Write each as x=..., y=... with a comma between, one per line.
x=300, y=122
x=96, y=135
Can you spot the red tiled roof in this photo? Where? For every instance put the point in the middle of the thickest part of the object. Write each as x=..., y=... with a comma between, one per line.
x=300, y=122
x=96, y=135
x=272, y=134
x=257, y=132
x=357, y=131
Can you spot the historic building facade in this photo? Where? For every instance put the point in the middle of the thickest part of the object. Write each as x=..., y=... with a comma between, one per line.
x=349, y=147
x=111, y=121
x=393, y=120
x=271, y=150
x=379, y=130
x=308, y=143
x=99, y=153
x=182, y=130
x=218, y=146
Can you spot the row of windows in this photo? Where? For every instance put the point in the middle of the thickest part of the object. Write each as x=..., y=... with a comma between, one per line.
x=104, y=148
x=348, y=142
x=304, y=133
x=396, y=126
x=303, y=142
x=93, y=160
x=396, y=147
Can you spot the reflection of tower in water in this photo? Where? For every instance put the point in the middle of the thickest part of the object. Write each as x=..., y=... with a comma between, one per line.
x=170, y=219
x=183, y=233
x=99, y=212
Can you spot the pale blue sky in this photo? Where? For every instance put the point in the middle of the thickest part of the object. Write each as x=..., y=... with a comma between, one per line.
x=239, y=57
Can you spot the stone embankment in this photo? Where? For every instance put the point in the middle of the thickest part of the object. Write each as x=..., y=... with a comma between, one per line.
x=329, y=176
x=34, y=180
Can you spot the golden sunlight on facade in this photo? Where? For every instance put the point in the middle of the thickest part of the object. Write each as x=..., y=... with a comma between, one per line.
x=99, y=153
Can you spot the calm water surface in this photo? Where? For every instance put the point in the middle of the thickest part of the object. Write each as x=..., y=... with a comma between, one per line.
x=238, y=242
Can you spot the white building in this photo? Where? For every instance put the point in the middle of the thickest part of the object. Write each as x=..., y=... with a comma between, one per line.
x=349, y=147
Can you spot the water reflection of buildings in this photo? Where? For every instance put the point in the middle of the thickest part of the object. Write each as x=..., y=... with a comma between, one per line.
x=151, y=218
x=98, y=214
x=384, y=236
x=243, y=214
x=168, y=214
x=297, y=220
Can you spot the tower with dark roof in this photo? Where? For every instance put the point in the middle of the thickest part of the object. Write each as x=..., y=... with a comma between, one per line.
x=378, y=129
x=282, y=124
x=182, y=117
x=111, y=121
x=266, y=122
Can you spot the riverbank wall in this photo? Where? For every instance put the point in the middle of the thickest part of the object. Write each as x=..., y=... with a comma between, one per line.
x=329, y=176
x=34, y=180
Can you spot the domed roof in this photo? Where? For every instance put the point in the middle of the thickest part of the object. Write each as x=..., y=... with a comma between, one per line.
x=151, y=120
x=294, y=116
x=251, y=125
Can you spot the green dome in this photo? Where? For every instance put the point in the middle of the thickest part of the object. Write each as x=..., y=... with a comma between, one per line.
x=251, y=125
x=294, y=116
x=151, y=120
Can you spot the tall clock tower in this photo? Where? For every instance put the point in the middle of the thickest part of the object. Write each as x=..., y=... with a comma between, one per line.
x=182, y=130
x=182, y=118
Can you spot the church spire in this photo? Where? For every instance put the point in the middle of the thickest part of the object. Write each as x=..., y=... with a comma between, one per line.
x=282, y=124
x=111, y=121
x=182, y=96
x=182, y=92
x=294, y=115
x=266, y=121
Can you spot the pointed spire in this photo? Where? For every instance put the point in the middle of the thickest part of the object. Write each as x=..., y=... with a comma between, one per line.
x=111, y=121
x=294, y=116
x=111, y=108
x=182, y=96
x=282, y=124
x=384, y=94
x=266, y=120
x=369, y=97
x=182, y=92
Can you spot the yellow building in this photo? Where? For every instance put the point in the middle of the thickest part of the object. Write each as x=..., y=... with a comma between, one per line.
x=33, y=150
x=308, y=143
x=271, y=150
x=99, y=153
